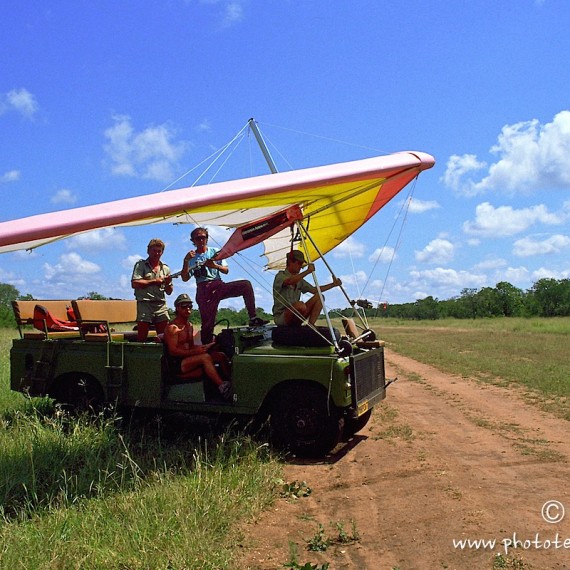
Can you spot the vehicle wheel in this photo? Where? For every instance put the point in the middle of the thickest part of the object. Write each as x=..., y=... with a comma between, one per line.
x=302, y=422
x=79, y=394
x=354, y=425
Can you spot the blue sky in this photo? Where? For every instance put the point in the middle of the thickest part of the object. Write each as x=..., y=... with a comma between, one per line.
x=107, y=100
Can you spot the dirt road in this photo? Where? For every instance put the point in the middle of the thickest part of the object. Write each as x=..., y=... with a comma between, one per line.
x=444, y=459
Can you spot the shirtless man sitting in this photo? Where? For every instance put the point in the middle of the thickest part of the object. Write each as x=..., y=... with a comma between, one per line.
x=185, y=357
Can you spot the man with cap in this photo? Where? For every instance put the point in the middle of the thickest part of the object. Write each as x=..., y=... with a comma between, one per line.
x=210, y=289
x=185, y=357
x=288, y=286
x=151, y=279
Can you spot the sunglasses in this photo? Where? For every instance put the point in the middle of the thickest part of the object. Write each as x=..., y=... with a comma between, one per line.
x=200, y=238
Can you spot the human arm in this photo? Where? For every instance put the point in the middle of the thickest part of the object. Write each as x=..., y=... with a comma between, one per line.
x=294, y=278
x=336, y=282
x=186, y=274
x=144, y=276
x=212, y=264
x=165, y=282
x=176, y=345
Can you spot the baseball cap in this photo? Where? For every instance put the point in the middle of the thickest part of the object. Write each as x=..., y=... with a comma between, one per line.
x=296, y=255
x=183, y=299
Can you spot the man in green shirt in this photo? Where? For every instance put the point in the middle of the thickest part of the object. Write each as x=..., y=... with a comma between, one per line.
x=288, y=286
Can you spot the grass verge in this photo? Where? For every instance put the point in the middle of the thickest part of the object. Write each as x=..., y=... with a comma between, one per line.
x=102, y=493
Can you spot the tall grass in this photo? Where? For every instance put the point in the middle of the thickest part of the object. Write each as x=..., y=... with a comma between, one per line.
x=531, y=353
x=108, y=493
x=8, y=399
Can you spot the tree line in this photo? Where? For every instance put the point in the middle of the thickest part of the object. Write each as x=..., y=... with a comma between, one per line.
x=546, y=298
x=9, y=293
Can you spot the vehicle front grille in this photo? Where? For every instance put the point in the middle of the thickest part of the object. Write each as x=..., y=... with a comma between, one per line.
x=368, y=378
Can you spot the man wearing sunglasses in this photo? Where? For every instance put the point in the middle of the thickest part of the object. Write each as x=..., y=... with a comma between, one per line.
x=185, y=357
x=210, y=288
x=289, y=285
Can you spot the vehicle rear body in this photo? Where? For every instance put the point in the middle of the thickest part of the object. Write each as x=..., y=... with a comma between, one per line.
x=132, y=374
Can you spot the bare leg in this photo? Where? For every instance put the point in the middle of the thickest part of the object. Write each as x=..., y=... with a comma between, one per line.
x=295, y=315
x=204, y=361
x=222, y=360
x=314, y=308
x=142, y=331
x=160, y=327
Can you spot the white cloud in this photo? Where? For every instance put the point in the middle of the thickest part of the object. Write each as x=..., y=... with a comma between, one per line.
x=151, y=154
x=528, y=246
x=383, y=255
x=506, y=221
x=448, y=278
x=357, y=278
x=63, y=196
x=70, y=267
x=19, y=100
x=350, y=247
x=530, y=156
x=513, y=275
x=421, y=206
x=491, y=263
x=439, y=251
x=545, y=273
x=129, y=262
x=457, y=168
x=109, y=239
x=10, y=176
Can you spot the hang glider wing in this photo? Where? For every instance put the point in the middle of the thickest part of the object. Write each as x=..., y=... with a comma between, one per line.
x=335, y=201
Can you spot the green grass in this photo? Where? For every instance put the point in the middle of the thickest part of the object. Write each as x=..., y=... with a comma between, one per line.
x=531, y=353
x=81, y=493
x=101, y=493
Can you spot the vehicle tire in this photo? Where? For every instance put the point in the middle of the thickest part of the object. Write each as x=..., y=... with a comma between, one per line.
x=303, y=422
x=79, y=394
x=354, y=425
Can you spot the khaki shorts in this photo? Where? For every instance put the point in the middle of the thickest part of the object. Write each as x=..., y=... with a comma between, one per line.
x=152, y=312
x=280, y=319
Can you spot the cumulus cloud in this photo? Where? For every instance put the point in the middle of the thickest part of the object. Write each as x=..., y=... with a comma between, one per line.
x=530, y=156
x=19, y=100
x=458, y=167
x=152, y=153
x=513, y=275
x=438, y=251
x=507, y=221
x=106, y=239
x=70, y=267
x=350, y=247
x=10, y=176
x=528, y=246
x=383, y=255
x=357, y=278
x=448, y=278
x=129, y=262
x=63, y=196
x=545, y=273
x=421, y=206
x=491, y=263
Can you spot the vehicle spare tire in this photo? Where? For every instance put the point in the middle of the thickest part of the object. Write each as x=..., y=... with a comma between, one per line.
x=304, y=336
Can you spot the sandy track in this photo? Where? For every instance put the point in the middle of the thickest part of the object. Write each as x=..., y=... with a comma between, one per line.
x=444, y=458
